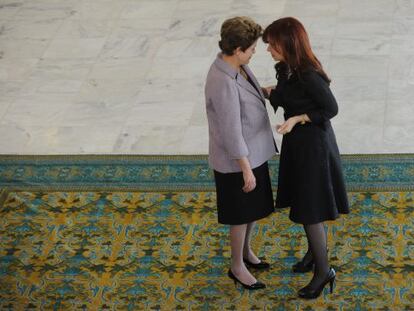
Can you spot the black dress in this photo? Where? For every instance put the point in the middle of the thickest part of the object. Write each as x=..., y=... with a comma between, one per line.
x=310, y=179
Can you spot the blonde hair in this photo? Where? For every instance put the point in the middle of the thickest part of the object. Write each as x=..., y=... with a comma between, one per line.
x=240, y=31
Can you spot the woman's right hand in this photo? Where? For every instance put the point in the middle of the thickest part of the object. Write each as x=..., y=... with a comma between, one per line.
x=266, y=90
x=249, y=181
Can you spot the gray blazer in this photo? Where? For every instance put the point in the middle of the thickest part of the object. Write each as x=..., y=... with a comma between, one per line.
x=239, y=125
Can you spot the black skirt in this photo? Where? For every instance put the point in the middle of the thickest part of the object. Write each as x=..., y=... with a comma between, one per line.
x=234, y=206
x=311, y=181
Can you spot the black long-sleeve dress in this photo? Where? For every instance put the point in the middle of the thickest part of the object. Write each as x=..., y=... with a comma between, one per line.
x=310, y=179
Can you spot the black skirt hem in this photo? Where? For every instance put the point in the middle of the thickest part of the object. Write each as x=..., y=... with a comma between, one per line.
x=245, y=222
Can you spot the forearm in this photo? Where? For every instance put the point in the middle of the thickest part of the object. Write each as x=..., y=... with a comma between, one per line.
x=302, y=119
x=244, y=164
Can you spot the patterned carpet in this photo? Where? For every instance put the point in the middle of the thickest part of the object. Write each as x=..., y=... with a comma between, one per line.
x=97, y=243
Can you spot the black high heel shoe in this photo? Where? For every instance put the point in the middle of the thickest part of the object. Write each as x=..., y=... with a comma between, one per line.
x=262, y=265
x=301, y=267
x=312, y=293
x=257, y=285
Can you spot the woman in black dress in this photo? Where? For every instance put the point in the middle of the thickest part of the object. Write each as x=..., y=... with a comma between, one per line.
x=310, y=180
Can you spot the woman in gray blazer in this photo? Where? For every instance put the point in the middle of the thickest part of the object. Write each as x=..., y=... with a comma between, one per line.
x=240, y=144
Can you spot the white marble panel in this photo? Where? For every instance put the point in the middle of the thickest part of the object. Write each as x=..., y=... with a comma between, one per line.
x=366, y=10
x=400, y=113
x=46, y=10
x=39, y=109
x=138, y=46
x=350, y=28
x=13, y=69
x=62, y=69
x=122, y=69
x=14, y=138
x=147, y=139
x=302, y=8
x=181, y=68
x=403, y=25
x=199, y=115
x=98, y=10
x=356, y=113
x=359, y=88
x=8, y=9
x=131, y=27
x=326, y=61
x=128, y=139
x=58, y=86
x=10, y=88
x=146, y=9
x=262, y=19
x=359, y=139
x=33, y=29
x=4, y=106
x=189, y=27
x=202, y=7
x=22, y=48
x=321, y=45
x=188, y=47
x=89, y=139
x=195, y=140
x=402, y=90
x=171, y=91
x=85, y=28
x=96, y=113
x=401, y=67
x=359, y=66
x=262, y=67
x=363, y=45
x=172, y=113
x=74, y=48
x=322, y=26
x=404, y=8
x=270, y=8
x=402, y=45
x=398, y=138
x=112, y=91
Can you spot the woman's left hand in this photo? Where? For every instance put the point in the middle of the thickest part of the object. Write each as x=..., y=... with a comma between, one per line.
x=287, y=126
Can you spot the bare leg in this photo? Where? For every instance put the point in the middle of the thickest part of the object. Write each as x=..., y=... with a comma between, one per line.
x=247, y=251
x=237, y=237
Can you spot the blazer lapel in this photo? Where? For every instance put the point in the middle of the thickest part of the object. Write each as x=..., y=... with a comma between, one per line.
x=256, y=83
x=247, y=86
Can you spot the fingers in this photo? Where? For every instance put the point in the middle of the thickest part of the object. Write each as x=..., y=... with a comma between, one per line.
x=284, y=128
x=249, y=185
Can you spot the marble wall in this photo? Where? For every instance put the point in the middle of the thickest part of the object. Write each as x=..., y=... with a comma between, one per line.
x=127, y=77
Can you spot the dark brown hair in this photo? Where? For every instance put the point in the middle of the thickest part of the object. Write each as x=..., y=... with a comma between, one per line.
x=237, y=32
x=289, y=37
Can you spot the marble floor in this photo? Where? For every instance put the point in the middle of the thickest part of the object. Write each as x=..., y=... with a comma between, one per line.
x=127, y=76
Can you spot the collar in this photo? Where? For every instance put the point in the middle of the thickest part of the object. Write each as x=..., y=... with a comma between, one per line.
x=225, y=67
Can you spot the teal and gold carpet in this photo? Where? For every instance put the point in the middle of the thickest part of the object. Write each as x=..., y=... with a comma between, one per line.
x=140, y=233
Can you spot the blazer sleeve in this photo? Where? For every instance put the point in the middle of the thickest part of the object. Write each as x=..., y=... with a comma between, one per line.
x=321, y=94
x=226, y=104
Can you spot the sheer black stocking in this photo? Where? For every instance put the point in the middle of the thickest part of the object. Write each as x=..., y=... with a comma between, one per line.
x=317, y=242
